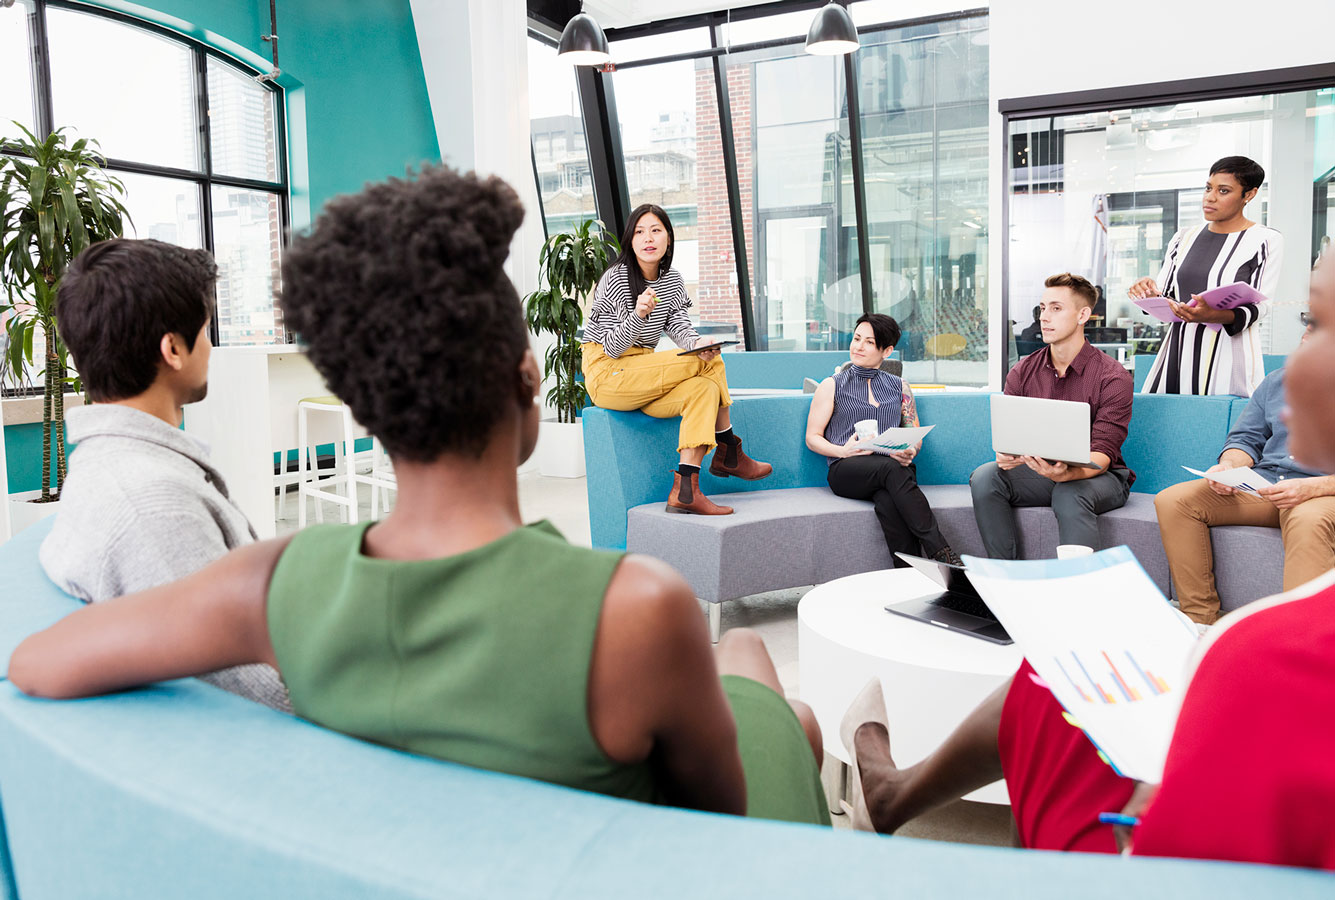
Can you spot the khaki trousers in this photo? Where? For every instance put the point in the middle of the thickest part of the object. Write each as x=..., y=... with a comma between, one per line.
x=663, y=385
x=1188, y=510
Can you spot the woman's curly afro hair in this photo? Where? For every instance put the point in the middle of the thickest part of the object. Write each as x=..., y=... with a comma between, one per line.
x=399, y=295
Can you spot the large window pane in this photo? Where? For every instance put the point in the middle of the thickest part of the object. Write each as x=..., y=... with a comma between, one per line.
x=924, y=93
x=1140, y=172
x=242, y=125
x=790, y=123
x=247, y=239
x=165, y=209
x=674, y=159
x=559, y=147
x=124, y=86
x=15, y=71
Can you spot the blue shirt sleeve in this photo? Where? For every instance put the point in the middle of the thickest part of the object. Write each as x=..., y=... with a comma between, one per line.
x=1254, y=428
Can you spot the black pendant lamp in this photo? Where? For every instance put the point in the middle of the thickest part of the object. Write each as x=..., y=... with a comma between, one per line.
x=832, y=32
x=583, y=43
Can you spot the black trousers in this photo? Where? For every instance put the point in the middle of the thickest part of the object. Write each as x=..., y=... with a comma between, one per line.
x=904, y=513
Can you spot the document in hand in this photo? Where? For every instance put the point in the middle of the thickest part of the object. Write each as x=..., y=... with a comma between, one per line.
x=1228, y=296
x=1242, y=478
x=897, y=439
x=1109, y=646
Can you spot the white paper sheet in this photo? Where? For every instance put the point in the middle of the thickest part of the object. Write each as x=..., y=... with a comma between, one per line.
x=1106, y=642
x=896, y=439
x=1242, y=478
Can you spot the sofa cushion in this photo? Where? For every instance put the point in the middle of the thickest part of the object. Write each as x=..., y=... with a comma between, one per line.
x=787, y=538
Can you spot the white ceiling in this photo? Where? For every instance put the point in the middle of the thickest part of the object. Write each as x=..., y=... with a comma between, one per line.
x=619, y=13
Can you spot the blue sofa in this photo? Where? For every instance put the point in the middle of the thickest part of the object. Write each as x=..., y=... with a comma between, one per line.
x=790, y=530
x=182, y=791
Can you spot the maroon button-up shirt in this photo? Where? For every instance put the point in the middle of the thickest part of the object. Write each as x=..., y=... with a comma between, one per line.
x=1093, y=377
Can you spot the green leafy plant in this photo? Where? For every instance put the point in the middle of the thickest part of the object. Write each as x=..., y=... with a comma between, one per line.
x=55, y=200
x=570, y=264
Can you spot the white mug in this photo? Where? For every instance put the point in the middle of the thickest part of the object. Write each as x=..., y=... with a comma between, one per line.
x=866, y=429
x=1071, y=551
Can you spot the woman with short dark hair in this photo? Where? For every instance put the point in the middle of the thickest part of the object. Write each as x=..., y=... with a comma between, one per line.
x=864, y=391
x=1215, y=351
x=640, y=297
x=452, y=629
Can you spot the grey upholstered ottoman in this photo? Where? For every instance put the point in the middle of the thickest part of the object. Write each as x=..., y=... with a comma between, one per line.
x=796, y=536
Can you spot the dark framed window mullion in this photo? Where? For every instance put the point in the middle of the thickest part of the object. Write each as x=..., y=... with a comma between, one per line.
x=203, y=108
x=729, y=147
x=607, y=164
x=859, y=178
x=41, y=69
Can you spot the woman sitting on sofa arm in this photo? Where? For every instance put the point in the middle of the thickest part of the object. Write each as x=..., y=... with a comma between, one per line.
x=451, y=629
x=860, y=392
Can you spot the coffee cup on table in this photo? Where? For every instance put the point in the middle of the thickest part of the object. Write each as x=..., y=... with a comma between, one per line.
x=1071, y=551
x=866, y=429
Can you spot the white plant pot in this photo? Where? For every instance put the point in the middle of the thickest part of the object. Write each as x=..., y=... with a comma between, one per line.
x=23, y=512
x=560, y=449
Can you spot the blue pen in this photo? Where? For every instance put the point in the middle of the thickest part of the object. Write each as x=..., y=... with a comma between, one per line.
x=1118, y=819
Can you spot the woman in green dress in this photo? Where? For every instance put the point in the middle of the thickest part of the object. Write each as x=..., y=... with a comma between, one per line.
x=451, y=628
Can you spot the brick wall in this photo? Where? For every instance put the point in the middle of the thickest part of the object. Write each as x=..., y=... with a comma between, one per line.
x=717, y=296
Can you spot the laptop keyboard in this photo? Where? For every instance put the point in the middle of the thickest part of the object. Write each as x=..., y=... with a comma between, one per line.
x=968, y=605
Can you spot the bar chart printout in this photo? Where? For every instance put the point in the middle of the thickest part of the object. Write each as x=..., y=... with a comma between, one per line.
x=1097, y=677
x=1102, y=637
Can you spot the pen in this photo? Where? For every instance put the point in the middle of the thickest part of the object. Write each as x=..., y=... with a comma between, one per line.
x=1118, y=819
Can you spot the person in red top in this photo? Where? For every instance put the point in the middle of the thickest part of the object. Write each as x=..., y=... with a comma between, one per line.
x=1248, y=776
x=1068, y=368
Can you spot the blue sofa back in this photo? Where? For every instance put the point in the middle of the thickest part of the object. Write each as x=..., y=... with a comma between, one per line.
x=181, y=790
x=1270, y=361
x=630, y=456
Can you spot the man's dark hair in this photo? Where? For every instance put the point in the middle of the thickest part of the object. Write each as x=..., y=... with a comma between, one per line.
x=1084, y=292
x=399, y=295
x=884, y=329
x=634, y=275
x=1248, y=172
x=1038, y=310
x=117, y=300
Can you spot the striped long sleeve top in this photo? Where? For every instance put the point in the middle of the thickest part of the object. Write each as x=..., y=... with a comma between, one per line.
x=613, y=322
x=1195, y=359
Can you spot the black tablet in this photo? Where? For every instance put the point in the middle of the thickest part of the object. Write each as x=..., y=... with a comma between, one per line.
x=699, y=350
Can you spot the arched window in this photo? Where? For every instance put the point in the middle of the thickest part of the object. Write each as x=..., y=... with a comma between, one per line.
x=196, y=139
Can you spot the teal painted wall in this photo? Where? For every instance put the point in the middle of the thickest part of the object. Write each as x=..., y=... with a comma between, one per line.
x=356, y=102
x=358, y=109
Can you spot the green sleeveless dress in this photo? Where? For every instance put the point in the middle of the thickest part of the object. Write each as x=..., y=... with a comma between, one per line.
x=483, y=659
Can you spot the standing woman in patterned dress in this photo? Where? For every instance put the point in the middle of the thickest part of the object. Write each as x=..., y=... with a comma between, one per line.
x=1195, y=358
x=639, y=297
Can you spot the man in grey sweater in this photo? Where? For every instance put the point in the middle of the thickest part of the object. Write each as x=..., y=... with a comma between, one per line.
x=141, y=505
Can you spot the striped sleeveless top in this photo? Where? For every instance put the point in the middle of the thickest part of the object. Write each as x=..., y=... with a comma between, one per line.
x=851, y=404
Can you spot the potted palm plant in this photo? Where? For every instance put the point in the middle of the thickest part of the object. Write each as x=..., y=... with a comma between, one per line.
x=55, y=199
x=570, y=265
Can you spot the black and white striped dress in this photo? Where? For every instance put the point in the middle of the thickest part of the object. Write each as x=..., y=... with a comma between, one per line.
x=613, y=322
x=1194, y=358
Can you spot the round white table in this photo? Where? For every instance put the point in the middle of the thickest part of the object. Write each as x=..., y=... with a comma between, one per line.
x=931, y=677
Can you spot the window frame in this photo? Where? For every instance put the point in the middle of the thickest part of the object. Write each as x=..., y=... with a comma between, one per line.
x=1161, y=93
x=602, y=128
x=205, y=179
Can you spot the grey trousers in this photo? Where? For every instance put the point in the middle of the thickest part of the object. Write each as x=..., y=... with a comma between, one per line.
x=1077, y=504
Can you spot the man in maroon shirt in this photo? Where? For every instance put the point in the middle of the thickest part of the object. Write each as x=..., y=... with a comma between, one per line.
x=1068, y=368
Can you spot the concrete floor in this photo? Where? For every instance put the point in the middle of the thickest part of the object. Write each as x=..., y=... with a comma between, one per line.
x=564, y=502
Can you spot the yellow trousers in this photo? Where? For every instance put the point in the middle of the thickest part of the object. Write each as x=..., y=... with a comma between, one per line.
x=662, y=384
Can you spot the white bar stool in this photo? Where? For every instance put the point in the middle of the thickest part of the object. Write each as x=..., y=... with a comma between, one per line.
x=340, y=486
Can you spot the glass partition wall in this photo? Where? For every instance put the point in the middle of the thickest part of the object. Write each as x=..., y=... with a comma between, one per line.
x=1101, y=193
x=769, y=233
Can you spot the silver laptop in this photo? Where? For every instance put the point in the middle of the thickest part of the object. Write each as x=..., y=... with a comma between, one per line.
x=956, y=607
x=1055, y=430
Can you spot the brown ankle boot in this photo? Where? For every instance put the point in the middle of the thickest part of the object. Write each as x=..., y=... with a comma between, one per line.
x=730, y=460
x=686, y=498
